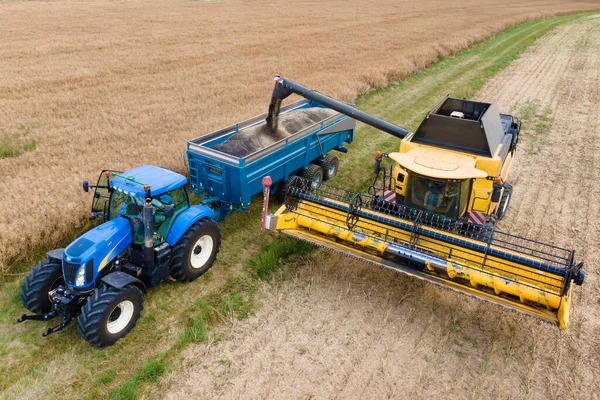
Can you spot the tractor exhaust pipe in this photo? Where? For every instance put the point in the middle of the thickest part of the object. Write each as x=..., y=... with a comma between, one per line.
x=148, y=233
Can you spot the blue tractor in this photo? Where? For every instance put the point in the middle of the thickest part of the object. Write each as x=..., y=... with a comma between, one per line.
x=149, y=233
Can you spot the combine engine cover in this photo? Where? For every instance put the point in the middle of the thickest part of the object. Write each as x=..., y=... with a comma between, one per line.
x=518, y=274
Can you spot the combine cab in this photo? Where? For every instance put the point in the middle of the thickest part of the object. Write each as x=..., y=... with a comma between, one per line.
x=456, y=164
x=432, y=214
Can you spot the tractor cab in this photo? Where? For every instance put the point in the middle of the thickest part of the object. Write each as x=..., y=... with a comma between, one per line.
x=124, y=194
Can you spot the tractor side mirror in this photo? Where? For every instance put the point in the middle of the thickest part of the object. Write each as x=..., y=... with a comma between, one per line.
x=168, y=211
x=86, y=186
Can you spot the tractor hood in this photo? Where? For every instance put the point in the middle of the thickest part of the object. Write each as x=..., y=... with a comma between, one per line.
x=93, y=250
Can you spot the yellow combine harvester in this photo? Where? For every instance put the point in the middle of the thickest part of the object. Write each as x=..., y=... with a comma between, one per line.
x=433, y=216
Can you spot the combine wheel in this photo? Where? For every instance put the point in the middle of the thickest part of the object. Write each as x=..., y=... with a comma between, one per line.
x=45, y=276
x=503, y=205
x=196, y=251
x=330, y=166
x=109, y=314
x=314, y=174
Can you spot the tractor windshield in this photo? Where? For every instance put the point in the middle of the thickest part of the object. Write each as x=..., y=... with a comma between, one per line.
x=448, y=198
x=132, y=208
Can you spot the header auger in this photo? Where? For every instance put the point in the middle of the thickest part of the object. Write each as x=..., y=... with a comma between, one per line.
x=432, y=215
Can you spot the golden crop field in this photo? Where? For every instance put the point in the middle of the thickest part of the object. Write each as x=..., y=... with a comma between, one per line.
x=92, y=85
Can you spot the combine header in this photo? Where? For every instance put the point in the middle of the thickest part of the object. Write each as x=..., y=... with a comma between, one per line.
x=425, y=228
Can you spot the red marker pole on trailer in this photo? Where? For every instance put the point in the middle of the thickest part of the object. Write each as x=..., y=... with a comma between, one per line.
x=266, y=182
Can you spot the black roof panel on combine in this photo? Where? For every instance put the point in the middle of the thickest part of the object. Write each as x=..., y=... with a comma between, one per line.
x=479, y=132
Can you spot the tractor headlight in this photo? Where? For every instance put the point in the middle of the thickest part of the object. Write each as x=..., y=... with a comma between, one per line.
x=80, y=278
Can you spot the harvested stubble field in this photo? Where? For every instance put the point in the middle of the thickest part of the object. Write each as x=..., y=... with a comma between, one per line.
x=116, y=84
x=337, y=328
x=134, y=92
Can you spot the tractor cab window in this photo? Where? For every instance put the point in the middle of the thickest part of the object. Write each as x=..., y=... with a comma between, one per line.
x=100, y=203
x=438, y=197
x=130, y=207
x=166, y=208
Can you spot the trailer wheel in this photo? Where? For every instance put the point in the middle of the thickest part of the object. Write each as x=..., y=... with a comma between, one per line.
x=45, y=276
x=504, y=200
x=314, y=174
x=330, y=166
x=109, y=314
x=196, y=251
x=280, y=193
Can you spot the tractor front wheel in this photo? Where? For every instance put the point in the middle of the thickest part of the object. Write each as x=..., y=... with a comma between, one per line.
x=109, y=314
x=45, y=276
x=196, y=251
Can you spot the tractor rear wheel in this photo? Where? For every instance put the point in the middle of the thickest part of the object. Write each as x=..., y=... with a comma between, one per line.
x=196, y=251
x=45, y=276
x=330, y=166
x=314, y=174
x=109, y=314
x=504, y=200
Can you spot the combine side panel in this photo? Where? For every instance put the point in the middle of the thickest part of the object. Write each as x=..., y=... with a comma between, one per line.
x=518, y=274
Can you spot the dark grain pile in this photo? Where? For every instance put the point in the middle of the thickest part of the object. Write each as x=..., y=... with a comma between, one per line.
x=254, y=138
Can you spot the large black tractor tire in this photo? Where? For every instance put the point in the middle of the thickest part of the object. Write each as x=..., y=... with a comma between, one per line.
x=330, y=166
x=109, y=314
x=196, y=251
x=314, y=174
x=504, y=200
x=44, y=277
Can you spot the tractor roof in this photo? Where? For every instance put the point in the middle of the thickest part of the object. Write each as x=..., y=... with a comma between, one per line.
x=159, y=179
x=464, y=125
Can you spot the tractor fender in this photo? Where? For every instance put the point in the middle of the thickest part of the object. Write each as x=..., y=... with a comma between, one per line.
x=186, y=219
x=120, y=279
x=56, y=254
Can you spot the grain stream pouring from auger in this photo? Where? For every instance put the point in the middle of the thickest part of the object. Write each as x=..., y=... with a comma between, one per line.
x=432, y=212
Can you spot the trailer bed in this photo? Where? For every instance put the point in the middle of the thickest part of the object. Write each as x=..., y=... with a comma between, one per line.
x=229, y=181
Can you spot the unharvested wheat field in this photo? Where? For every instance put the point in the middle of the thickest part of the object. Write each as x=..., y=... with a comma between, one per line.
x=338, y=328
x=107, y=84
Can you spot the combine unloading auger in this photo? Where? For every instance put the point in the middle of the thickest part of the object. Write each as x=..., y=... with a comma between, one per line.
x=515, y=273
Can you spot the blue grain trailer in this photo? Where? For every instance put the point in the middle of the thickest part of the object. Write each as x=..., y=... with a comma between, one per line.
x=228, y=183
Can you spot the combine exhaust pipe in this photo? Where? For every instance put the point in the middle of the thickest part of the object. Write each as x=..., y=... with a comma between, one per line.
x=285, y=87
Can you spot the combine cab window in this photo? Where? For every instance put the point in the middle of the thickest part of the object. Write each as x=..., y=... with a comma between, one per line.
x=447, y=198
